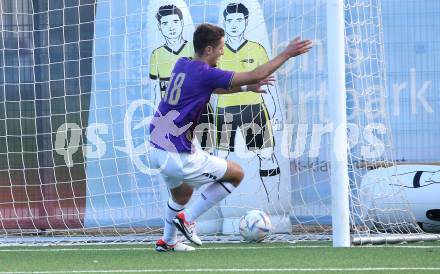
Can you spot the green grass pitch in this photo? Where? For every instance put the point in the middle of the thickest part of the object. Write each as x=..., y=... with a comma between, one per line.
x=305, y=257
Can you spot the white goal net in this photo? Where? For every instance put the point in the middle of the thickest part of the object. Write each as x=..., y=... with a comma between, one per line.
x=79, y=80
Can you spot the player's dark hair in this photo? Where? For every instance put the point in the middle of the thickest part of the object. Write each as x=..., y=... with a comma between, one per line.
x=168, y=10
x=236, y=8
x=207, y=35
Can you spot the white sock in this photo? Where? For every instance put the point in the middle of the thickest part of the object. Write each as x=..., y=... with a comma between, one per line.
x=169, y=230
x=213, y=194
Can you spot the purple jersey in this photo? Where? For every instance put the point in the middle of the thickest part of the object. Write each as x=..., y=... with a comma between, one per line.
x=189, y=90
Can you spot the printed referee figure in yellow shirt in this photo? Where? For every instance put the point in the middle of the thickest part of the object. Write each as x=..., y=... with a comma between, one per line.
x=245, y=111
x=162, y=60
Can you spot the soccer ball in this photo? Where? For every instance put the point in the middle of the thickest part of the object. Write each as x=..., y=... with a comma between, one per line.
x=254, y=226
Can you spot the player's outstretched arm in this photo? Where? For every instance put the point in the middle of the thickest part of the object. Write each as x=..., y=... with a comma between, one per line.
x=255, y=87
x=296, y=47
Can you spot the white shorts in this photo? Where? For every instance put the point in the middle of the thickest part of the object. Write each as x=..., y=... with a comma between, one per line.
x=195, y=169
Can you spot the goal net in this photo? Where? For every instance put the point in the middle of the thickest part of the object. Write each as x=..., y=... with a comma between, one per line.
x=79, y=81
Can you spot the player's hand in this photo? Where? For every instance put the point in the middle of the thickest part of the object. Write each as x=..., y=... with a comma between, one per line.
x=297, y=47
x=257, y=88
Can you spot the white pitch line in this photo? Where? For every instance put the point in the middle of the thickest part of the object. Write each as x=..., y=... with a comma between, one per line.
x=320, y=269
x=148, y=248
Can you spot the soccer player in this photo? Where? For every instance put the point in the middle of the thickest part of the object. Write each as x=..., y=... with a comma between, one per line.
x=162, y=60
x=183, y=166
x=245, y=110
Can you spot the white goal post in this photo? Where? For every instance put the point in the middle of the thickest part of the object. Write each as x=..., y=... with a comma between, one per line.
x=337, y=108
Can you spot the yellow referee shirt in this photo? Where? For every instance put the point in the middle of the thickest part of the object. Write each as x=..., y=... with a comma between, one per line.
x=247, y=57
x=162, y=62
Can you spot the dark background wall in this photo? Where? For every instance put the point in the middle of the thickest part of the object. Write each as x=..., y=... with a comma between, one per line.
x=45, y=81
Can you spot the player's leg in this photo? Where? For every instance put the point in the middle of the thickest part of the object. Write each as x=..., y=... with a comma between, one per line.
x=215, y=192
x=176, y=203
x=180, y=196
x=223, y=177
